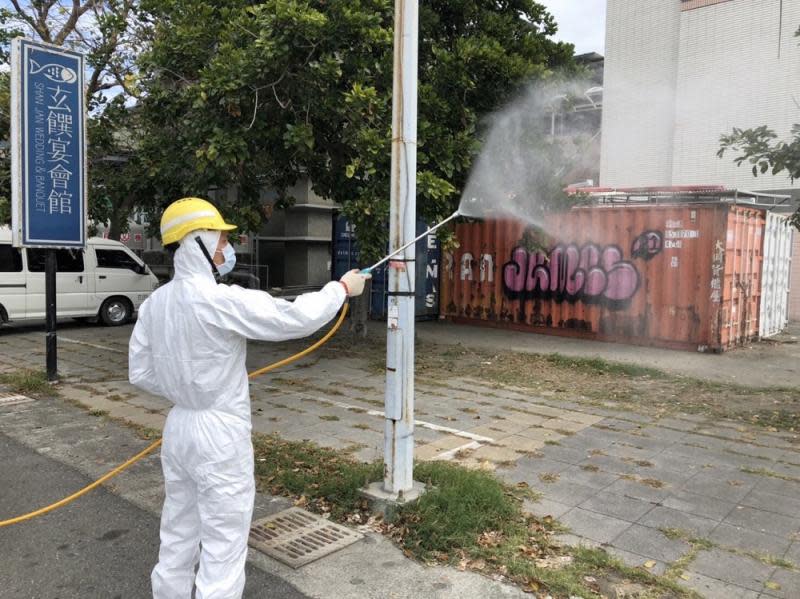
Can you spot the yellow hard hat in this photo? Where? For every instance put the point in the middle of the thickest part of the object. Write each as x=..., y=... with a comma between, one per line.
x=190, y=214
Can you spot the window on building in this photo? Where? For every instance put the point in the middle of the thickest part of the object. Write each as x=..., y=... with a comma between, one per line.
x=66, y=260
x=10, y=259
x=116, y=259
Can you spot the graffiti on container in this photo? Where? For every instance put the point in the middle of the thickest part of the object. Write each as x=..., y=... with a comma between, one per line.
x=648, y=245
x=589, y=273
x=486, y=267
x=717, y=265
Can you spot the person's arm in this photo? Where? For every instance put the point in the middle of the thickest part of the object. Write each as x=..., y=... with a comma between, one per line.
x=257, y=315
x=140, y=356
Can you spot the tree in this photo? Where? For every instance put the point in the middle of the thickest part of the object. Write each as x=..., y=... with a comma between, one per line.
x=257, y=95
x=761, y=148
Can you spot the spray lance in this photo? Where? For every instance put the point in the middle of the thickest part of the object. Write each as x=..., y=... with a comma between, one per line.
x=367, y=271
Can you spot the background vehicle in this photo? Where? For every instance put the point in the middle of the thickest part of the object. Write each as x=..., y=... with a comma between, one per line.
x=107, y=281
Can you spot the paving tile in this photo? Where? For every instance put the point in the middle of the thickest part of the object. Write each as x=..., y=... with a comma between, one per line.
x=633, y=560
x=576, y=541
x=561, y=424
x=664, y=434
x=589, y=439
x=669, y=477
x=618, y=506
x=594, y=526
x=541, y=434
x=699, y=505
x=763, y=521
x=627, y=451
x=676, y=424
x=711, y=588
x=545, y=507
x=594, y=479
x=732, y=569
x=728, y=489
x=501, y=428
x=789, y=583
x=793, y=553
x=675, y=463
x=749, y=540
x=495, y=454
x=779, y=487
x=650, y=543
x=564, y=454
x=664, y=517
x=608, y=463
x=534, y=466
x=521, y=444
x=566, y=492
x=528, y=420
x=583, y=417
x=631, y=488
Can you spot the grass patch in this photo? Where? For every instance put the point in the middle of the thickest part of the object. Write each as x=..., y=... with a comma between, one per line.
x=699, y=544
x=467, y=518
x=329, y=417
x=28, y=382
x=325, y=480
x=769, y=473
x=595, y=366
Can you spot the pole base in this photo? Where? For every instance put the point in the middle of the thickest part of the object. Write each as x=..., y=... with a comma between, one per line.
x=386, y=503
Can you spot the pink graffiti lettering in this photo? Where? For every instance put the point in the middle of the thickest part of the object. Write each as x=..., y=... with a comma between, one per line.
x=571, y=273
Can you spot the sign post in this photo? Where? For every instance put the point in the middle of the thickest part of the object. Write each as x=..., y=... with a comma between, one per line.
x=48, y=160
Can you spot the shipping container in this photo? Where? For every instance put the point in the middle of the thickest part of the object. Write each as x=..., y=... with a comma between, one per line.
x=427, y=271
x=775, y=276
x=794, y=279
x=683, y=276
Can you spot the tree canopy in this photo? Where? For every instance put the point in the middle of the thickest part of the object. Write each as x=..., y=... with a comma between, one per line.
x=258, y=95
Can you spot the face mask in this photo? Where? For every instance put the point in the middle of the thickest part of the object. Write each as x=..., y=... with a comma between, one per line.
x=230, y=260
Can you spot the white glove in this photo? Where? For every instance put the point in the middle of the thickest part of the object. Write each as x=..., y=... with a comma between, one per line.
x=353, y=282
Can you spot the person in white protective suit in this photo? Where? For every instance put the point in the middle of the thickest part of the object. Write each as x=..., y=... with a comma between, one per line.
x=189, y=346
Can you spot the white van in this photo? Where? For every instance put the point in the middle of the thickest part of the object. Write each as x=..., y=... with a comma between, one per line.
x=107, y=281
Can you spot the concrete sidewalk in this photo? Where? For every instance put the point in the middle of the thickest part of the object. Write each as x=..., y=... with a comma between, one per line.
x=774, y=362
x=713, y=502
x=105, y=543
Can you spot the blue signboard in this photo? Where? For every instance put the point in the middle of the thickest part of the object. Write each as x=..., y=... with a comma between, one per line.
x=48, y=145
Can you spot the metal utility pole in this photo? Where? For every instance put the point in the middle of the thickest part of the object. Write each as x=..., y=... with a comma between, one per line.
x=51, y=344
x=399, y=404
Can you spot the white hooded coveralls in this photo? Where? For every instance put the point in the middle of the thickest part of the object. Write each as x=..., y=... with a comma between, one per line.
x=189, y=346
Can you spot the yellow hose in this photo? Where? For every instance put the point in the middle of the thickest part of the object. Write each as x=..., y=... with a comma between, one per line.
x=154, y=445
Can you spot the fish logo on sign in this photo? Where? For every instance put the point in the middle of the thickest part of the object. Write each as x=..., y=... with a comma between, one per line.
x=54, y=72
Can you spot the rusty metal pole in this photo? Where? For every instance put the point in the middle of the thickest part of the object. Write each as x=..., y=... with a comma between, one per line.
x=399, y=403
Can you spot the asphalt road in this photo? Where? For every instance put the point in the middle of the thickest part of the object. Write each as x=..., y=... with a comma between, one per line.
x=100, y=546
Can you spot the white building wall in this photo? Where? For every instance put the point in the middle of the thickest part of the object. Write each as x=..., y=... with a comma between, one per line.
x=639, y=85
x=676, y=80
x=738, y=66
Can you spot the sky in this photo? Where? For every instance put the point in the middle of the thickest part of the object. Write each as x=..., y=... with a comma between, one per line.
x=580, y=22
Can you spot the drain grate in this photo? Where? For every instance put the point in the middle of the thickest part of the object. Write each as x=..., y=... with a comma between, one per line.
x=297, y=537
x=9, y=399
